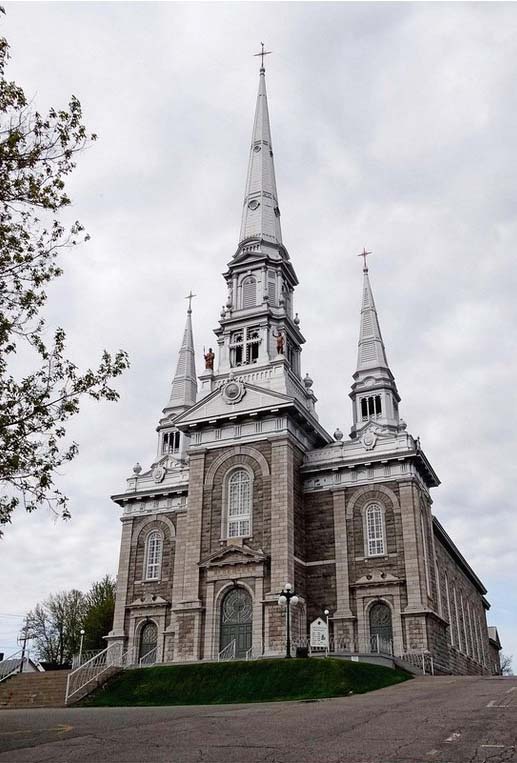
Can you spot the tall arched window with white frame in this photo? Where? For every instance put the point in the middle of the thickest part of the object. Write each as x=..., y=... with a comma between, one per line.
x=153, y=555
x=375, y=535
x=239, y=504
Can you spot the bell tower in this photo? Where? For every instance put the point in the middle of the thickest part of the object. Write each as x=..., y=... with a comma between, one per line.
x=258, y=327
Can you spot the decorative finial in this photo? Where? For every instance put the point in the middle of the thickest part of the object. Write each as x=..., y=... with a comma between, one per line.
x=364, y=254
x=262, y=54
x=190, y=297
x=338, y=435
x=137, y=468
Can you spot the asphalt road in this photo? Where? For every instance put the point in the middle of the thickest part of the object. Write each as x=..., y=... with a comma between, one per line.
x=436, y=720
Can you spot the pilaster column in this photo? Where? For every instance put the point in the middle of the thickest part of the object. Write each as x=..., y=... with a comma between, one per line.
x=193, y=527
x=282, y=515
x=341, y=555
x=122, y=577
x=410, y=528
x=179, y=558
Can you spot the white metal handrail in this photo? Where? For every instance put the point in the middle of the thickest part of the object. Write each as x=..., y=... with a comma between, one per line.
x=379, y=645
x=91, y=670
x=7, y=668
x=422, y=660
x=228, y=653
x=149, y=657
x=249, y=654
x=81, y=659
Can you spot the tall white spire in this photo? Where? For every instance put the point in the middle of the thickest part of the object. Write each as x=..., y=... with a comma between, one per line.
x=374, y=393
x=371, y=351
x=261, y=214
x=184, y=384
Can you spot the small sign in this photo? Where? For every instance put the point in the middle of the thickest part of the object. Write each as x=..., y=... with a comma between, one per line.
x=319, y=633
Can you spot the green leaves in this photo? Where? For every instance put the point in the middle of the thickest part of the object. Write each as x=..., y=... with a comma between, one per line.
x=36, y=154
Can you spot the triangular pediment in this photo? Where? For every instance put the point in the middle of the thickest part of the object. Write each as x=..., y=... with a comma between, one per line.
x=233, y=554
x=219, y=404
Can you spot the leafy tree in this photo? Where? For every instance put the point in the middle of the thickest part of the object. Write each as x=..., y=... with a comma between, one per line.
x=99, y=608
x=37, y=153
x=55, y=626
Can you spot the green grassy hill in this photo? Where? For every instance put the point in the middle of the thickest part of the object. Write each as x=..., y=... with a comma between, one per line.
x=254, y=681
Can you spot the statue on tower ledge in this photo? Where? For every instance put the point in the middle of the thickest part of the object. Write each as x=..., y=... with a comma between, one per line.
x=209, y=359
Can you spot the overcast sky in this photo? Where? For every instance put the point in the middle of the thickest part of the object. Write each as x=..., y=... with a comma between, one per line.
x=393, y=127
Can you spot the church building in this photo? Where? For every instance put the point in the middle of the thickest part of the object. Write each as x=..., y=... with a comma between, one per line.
x=248, y=491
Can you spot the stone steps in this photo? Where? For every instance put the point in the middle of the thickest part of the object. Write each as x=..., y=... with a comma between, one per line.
x=34, y=690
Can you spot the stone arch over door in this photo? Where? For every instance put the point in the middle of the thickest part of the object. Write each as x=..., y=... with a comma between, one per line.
x=236, y=621
x=148, y=642
x=381, y=627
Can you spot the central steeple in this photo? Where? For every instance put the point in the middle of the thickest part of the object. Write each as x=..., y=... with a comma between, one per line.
x=259, y=331
x=261, y=213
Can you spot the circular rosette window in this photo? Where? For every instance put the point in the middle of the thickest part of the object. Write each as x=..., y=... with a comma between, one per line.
x=233, y=391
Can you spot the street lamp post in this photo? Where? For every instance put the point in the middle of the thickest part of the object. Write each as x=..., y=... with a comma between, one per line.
x=286, y=599
x=327, y=613
x=81, y=645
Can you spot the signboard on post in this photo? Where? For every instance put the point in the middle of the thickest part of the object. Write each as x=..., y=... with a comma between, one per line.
x=319, y=634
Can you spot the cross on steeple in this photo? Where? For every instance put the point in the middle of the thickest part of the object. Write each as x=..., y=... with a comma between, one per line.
x=262, y=54
x=364, y=254
x=190, y=297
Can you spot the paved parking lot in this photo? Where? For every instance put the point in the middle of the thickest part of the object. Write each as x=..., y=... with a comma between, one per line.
x=436, y=720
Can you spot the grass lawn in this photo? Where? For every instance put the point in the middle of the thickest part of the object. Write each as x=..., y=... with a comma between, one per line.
x=254, y=681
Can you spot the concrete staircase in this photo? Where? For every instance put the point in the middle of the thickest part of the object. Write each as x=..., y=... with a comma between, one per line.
x=34, y=690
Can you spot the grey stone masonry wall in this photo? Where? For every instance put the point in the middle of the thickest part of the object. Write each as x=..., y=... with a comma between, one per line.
x=138, y=585
x=466, y=647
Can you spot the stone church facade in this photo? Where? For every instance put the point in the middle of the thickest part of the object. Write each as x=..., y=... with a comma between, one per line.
x=248, y=491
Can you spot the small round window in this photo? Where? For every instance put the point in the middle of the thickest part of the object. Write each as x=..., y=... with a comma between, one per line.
x=254, y=204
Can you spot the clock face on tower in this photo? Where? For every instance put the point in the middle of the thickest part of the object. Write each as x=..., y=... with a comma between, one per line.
x=233, y=391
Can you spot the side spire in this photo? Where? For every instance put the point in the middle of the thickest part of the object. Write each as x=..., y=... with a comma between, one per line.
x=374, y=393
x=371, y=351
x=184, y=384
x=261, y=213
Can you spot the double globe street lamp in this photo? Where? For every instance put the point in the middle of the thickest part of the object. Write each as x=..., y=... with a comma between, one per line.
x=288, y=598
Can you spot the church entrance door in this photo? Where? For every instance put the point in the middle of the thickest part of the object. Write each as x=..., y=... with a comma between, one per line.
x=148, y=644
x=236, y=621
x=381, y=629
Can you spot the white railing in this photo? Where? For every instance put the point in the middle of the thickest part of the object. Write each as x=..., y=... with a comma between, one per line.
x=149, y=658
x=249, y=654
x=379, y=645
x=228, y=653
x=91, y=670
x=80, y=659
x=11, y=665
x=422, y=660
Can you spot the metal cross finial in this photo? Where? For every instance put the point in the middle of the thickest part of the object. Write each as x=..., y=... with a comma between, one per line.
x=262, y=54
x=364, y=254
x=190, y=296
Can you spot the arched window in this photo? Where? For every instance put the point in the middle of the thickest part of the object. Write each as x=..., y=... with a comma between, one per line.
x=239, y=504
x=249, y=292
x=374, y=530
x=153, y=555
